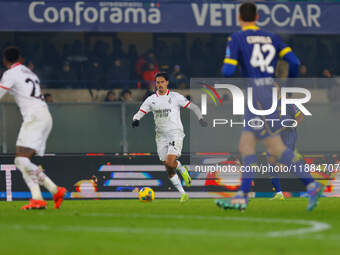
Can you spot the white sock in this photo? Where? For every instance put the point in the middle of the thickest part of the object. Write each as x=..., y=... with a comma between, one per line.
x=23, y=164
x=180, y=167
x=45, y=181
x=279, y=193
x=177, y=183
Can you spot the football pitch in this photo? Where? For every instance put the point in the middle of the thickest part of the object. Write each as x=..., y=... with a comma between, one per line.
x=167, y=227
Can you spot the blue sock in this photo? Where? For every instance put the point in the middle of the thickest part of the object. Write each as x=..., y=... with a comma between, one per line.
x=247, y=178
x=287, y=158
x=276, y=184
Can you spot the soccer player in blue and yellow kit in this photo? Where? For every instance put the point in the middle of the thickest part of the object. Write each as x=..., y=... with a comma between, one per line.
x=289, y=138
x=256, y=51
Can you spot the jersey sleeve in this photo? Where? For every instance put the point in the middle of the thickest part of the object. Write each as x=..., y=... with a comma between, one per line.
x=182, y=101
x=6, y=84
x=146, y=106
x=7, y=81
x=231, y=56
x=232, y=51
x=144, y=109
x=281, y=47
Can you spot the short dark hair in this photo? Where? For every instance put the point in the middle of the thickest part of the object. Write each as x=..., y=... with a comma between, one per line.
x=248, y=12
x=12, y=54
x=162, y=74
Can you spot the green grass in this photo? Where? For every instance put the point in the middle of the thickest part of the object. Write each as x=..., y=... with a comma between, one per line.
x=167, y=227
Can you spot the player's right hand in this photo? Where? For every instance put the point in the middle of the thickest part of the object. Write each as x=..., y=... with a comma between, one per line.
x=135, y=123
x=203, y=123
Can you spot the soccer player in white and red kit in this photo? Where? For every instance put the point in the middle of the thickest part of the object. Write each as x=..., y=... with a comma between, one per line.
x=165, y=106
x=24, y=86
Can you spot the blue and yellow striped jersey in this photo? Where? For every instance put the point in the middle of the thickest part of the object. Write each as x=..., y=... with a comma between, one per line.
x=256, y=51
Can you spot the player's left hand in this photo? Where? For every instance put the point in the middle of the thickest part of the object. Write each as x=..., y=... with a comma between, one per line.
x=135, y=123
x=203, y=123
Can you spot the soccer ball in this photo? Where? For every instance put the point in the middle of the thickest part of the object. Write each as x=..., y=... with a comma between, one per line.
x=146, y=194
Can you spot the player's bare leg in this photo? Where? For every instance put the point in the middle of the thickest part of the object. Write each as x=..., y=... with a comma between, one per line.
x=170, y=165
x=34, y=176
x=247, y=144
x=274, y=146
x=27, y=168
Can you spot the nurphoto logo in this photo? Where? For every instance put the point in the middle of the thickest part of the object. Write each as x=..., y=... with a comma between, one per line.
x=279, y=102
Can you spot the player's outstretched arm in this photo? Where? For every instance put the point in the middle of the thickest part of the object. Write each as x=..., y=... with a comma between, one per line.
x=193, y=107
x=286, y=53
x=145, y=107
x=294, y=64
x=135, y=120
x=231, y=57
x=228, y=69
x=6, y=84
x=135, y=123
x=3, y=91
x=185, y=103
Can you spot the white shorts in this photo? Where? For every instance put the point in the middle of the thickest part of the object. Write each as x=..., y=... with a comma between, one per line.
x=34, y=130
x=170, y=143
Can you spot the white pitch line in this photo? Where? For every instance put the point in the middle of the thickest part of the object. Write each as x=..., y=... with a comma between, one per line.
x=311, y=226
x=127, y=230
x=314, y=227
x=134, y=230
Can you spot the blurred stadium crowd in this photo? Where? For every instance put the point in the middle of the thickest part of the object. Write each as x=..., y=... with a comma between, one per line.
x=112, y=60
